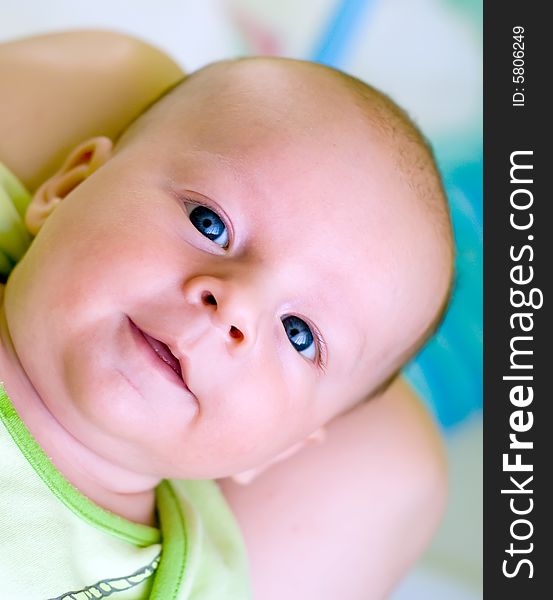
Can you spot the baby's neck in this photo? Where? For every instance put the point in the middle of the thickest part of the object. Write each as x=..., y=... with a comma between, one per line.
x=123, y=492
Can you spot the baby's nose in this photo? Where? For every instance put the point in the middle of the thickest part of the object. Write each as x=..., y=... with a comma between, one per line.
x=229, y=308
x=208, y=299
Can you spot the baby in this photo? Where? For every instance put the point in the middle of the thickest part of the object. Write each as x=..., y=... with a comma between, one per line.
x=259, y=252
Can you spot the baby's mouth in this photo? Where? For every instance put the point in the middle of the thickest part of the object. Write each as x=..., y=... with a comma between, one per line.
x=162, y=350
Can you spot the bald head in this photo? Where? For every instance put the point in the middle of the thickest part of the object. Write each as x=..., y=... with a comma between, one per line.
x=288, y=88
x=295, y=100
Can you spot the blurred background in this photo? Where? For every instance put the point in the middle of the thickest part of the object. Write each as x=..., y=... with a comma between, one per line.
x=427, y=55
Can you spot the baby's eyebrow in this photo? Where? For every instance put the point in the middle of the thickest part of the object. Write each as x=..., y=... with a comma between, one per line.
x=241, y=179
x=344, y=337
x=436, y=322
x=234, y=165
x=229, y=163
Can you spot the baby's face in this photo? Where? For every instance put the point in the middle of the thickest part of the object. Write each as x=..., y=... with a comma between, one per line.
x=275, y=254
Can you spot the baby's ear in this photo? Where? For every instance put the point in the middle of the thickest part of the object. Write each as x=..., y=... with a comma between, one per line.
x=317, y=437
x=81, y=162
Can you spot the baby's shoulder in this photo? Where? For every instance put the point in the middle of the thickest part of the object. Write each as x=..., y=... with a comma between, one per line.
x=66, y=87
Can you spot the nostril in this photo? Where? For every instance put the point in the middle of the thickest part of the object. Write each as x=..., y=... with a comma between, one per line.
x=235, y=333
x=209, y=299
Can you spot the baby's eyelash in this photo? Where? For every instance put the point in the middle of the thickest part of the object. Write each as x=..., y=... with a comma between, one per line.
x=323, y=350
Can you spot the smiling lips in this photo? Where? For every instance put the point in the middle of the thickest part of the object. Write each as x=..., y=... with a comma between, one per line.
x=162, y=350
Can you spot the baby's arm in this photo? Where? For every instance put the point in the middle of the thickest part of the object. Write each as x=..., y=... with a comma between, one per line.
x=63, y=88
x=347, y=518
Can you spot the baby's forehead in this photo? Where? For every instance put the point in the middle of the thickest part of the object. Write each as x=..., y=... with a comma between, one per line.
x=292, y=124
x=328, y=177
x=286, y=96
x=279, y=134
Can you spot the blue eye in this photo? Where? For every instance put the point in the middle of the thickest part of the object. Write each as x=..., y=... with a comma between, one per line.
x=300, y=336
x=208, y=223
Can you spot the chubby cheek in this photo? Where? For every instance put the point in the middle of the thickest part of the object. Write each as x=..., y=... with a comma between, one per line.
x=110, y=261
x=254, y=411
